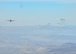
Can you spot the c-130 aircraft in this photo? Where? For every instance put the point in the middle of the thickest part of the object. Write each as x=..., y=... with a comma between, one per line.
x=11, y=20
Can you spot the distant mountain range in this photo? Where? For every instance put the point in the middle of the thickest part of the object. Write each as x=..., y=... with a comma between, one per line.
x=37, y=39
x=67, y=48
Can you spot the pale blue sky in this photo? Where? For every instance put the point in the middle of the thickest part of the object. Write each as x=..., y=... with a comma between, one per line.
x=37, y=13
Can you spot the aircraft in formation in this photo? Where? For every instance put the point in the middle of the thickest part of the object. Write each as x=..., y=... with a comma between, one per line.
x=62, y=21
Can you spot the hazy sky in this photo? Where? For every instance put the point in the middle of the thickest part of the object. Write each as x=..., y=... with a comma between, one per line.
x=37, y=12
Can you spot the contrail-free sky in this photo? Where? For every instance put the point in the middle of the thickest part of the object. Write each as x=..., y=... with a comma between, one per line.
x=37, y=13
